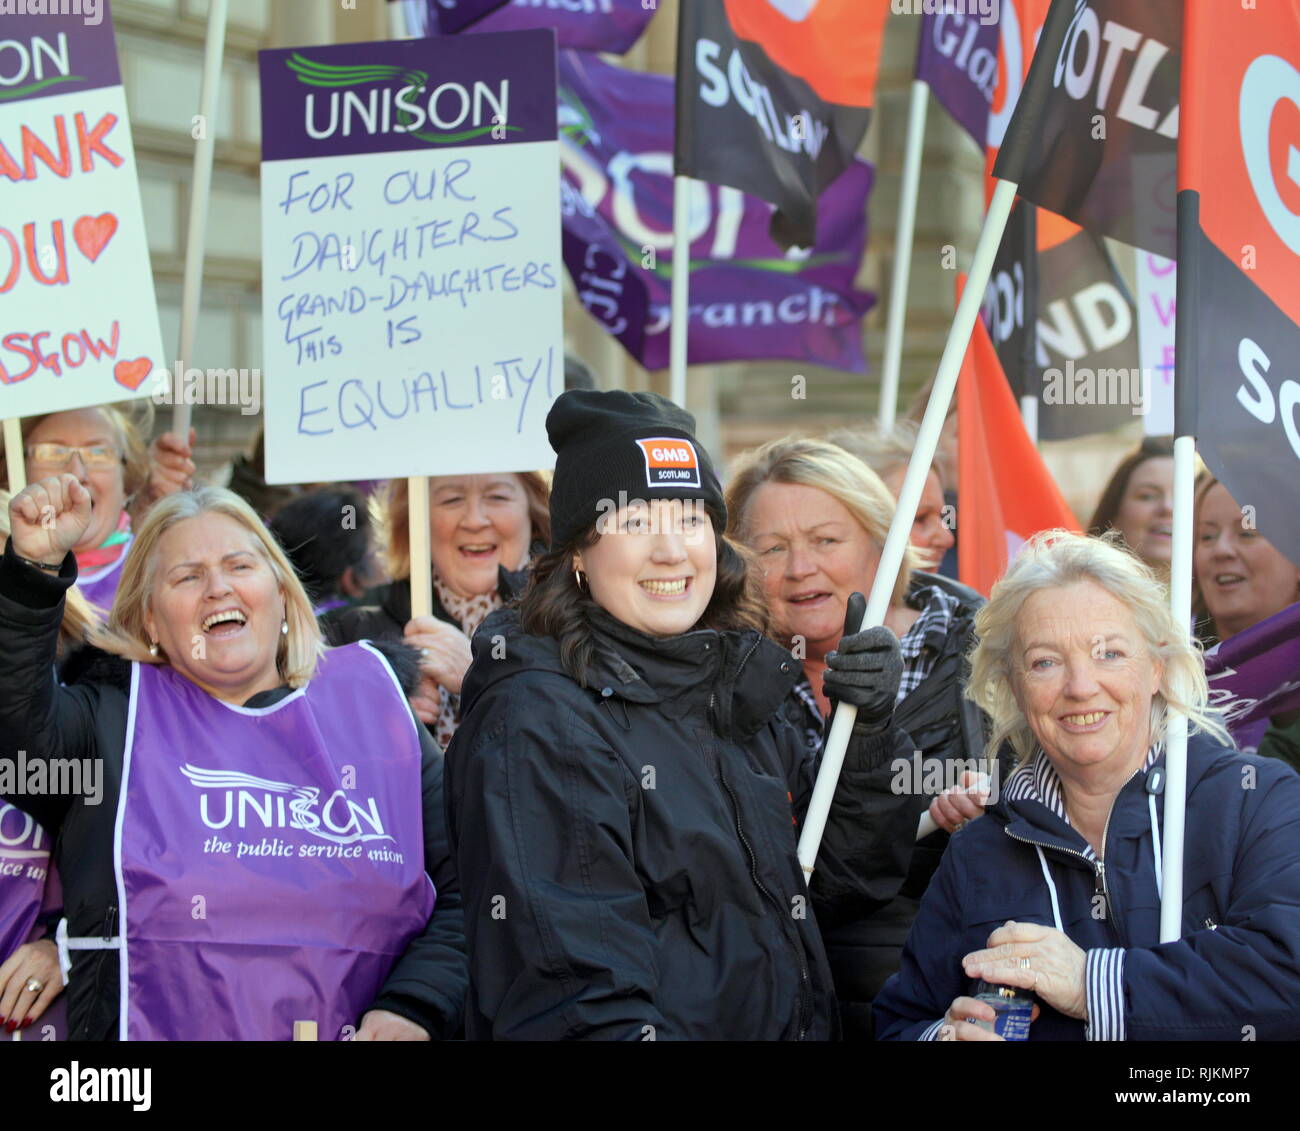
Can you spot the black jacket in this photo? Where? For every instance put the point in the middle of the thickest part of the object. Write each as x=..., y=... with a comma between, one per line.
x=387, y=609
x=865, y=942
x=627, y=849
x=88, y=718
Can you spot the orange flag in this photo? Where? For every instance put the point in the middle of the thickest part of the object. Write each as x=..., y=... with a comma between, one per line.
x=1005, y=493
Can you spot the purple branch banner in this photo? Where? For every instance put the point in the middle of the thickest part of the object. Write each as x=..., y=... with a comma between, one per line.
x=588, y=25
x=749, y=298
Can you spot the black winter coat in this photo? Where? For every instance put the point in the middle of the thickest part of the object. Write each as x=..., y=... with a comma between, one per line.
x=88, y=718
x=387, y=609
x=627, y=849
x=865, y=942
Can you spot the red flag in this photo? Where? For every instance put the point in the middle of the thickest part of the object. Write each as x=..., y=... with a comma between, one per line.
x=1005, y=492
x=1239, y=256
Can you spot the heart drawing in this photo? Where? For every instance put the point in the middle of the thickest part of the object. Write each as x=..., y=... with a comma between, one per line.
x=92, y=233
x=131, y=373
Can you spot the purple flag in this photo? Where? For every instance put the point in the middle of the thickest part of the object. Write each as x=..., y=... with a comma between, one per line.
x=1256, y=674
x=453, y=15
x=958, y=59
x=587, y=25
x=748, y=298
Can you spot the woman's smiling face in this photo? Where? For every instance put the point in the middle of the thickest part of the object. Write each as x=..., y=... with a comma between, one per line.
x=655, y=566
x=1242, y=576
x=1085, y=679
x=215, y=607
x=814, y=555
x=477, y=523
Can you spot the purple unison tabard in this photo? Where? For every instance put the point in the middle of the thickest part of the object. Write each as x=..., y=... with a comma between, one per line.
x=271, y=860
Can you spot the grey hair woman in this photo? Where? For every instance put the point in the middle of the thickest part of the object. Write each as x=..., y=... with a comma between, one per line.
x=1057, y=890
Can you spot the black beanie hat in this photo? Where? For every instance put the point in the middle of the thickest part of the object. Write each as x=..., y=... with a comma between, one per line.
x=639, y=444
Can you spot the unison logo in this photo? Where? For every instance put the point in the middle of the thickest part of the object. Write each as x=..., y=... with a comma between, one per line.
x=32, y=64
x=241, y=800
x=456, y=112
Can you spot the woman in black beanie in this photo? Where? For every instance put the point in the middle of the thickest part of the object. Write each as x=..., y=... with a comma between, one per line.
x=625, y=792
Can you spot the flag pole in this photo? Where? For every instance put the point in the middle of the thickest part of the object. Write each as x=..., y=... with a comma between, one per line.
x=1029, y=399
x=1186, y=373
x=907, y=200
x=909, y=498
x=13, y=433
x=200, y=193
x=417, y=486
x=396, y=19
x=1029, y=414
x=681, y=286
x=1180, y=600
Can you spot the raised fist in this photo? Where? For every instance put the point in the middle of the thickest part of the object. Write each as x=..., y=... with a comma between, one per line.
x=48, y=518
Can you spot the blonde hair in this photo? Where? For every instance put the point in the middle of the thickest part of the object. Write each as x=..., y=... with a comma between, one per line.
x=829, y=468
x=298, y=651
x=397, y=524
x=1052, y=560
x=131, y=423
x=81, y=620
x=884, y=450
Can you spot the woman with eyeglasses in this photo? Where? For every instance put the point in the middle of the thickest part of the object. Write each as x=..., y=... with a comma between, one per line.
x=105, y=449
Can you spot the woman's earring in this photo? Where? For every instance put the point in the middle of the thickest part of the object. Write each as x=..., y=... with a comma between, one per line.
x=580, y=580
x=153, y=648
x=284, y=628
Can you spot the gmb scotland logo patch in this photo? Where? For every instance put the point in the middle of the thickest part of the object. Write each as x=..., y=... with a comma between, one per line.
x=670, y=462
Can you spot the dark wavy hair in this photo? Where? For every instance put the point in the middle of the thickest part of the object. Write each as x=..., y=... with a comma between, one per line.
x=1152, y=447
x=554, y=606
x=310, y=529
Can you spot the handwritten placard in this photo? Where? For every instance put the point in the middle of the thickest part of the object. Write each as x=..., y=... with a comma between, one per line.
x=78, y=319
x=410, y=257
x=1157, y=288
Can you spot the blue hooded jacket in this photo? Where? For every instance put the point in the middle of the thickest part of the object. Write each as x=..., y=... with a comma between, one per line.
x=1233, y=975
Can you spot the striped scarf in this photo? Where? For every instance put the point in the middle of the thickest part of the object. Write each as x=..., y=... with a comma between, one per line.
x=468, y=613
x=111, y=549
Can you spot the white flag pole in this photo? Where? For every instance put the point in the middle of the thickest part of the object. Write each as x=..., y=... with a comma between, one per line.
x=396, y=19
x=417, y=486
x=909, y=193
x=1029, y=414
x=14, y=464
x=200, y=194
x=909, y=497
x=681, y=289
x=1180, y=600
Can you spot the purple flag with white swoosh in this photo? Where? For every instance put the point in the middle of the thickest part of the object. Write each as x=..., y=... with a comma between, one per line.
x=749, y=299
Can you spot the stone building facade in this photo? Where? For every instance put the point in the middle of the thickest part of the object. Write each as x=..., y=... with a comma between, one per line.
x=161, y=47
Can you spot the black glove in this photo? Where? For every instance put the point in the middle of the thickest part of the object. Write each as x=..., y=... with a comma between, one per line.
x=865, y=670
